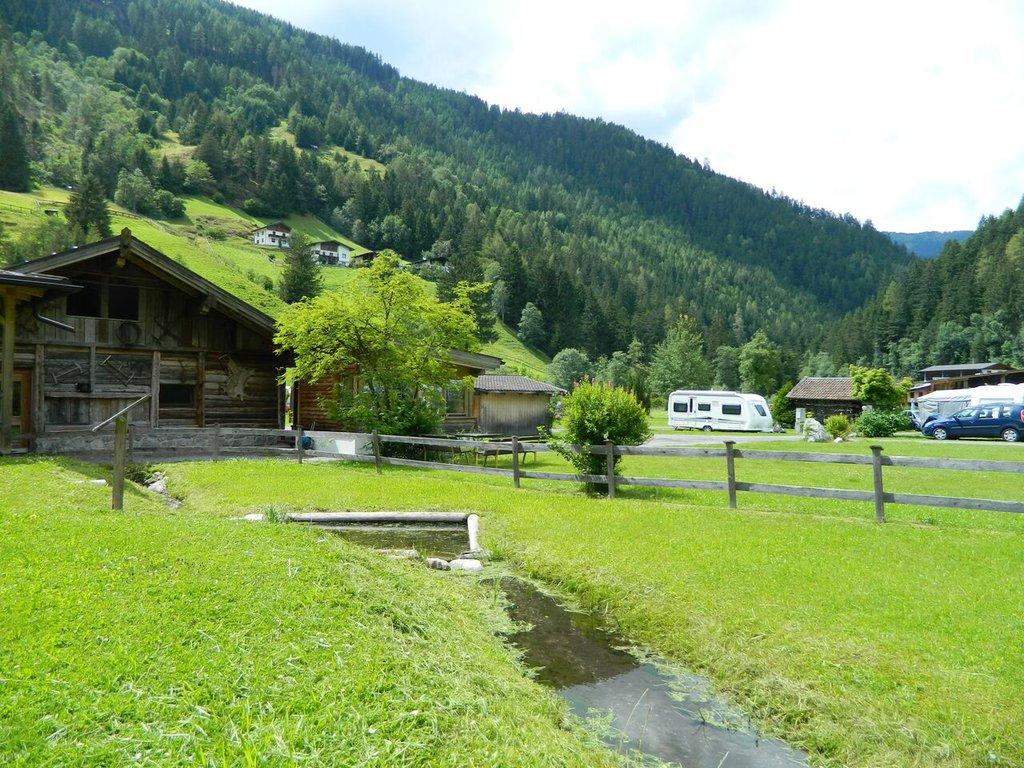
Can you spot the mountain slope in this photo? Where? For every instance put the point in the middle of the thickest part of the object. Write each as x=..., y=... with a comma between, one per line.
x=967, y=304
x=213, y=240
x=609, y=234
x=927, y=245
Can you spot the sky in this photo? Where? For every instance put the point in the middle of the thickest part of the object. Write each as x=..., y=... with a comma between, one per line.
x=907, y=113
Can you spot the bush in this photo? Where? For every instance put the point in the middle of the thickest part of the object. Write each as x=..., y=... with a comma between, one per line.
x=877, y=423
x=593, y=414
x=783, y=410
x=837, y=425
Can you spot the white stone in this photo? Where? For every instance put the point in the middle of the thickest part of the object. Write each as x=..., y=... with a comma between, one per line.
x=97, y=482
x=465, y=564
x=254, y=517
x=438, y=564
x=815, y=432
x=158, y=486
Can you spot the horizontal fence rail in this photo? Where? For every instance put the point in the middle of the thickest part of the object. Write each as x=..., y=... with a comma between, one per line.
x=516, y=449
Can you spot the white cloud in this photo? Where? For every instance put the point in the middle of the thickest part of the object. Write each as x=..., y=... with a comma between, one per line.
x=905, y=113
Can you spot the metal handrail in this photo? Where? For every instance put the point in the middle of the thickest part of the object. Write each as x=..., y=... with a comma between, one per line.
x=120, y=413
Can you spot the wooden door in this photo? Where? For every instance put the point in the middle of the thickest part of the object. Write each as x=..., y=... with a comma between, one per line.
x=22, y=423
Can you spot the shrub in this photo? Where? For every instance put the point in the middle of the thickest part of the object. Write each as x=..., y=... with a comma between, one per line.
x=783, y=410
x=593, y=414
x=876, y=423
x=837, y=425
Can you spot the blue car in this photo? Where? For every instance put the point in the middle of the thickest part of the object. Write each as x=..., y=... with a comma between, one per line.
x=1005, y=420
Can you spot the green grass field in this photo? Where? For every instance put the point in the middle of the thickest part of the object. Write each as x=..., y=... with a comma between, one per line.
x=169, y=639
x=867, y=645
x=512, y=350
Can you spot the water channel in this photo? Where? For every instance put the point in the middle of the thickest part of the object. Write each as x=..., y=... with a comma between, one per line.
x=648, y=707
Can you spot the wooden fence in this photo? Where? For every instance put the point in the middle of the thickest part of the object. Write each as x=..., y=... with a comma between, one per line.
x=517, y=450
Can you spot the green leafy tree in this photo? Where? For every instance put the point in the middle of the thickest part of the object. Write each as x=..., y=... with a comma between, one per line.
x=569, y=367
x=760, y=364
x=877, y=387
x=302, y=277
x=389, y=330
x=531, y=326
x=14, y=169
x=783, y=410
x=594, y=413
x=197, y=177
x=678, y=362
x=134, y=191
x=86, y=211
x=727, y=367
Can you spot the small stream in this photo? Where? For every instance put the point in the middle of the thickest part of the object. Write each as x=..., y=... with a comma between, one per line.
x=671, y=716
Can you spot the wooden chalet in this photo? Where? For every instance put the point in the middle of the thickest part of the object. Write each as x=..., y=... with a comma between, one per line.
x=90, y=330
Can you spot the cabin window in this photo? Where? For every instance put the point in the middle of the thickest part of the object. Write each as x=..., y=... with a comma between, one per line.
x=760, y=410
x=177, y=395
x=703, y=406
x=680, y=407
x=731, y=410
x=86, y=302
x=123, y=302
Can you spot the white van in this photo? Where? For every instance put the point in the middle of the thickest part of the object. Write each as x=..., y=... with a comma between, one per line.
x=709, y=410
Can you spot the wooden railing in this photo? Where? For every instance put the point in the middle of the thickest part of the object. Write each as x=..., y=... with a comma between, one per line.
x=729, y=452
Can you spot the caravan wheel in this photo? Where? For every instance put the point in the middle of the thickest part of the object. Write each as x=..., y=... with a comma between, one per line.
x=707, y=428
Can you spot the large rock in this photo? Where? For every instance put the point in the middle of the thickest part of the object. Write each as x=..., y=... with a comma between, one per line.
x=815, y=432
x=438, y=564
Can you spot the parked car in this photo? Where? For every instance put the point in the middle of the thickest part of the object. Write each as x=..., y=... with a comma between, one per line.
x=1005, y=420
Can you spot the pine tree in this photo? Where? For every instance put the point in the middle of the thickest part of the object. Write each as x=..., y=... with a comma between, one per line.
x=302, y=278
x=87, y=212
x=14, y=170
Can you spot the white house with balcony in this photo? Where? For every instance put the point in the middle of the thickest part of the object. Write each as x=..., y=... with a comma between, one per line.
x=276, y=235
x=331, y=253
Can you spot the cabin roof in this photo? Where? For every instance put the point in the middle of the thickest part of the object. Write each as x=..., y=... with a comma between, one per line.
x=278, y=225
x=170, y=269
x=474, y=359
x=966, y=368
x=37, y=280
x=328, y=243
x=500, y=383
x=823, y=388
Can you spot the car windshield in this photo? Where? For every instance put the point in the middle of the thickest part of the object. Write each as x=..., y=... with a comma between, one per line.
x=966, y=413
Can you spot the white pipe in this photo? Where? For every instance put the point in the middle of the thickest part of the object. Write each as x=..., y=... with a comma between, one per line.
x=473, y=527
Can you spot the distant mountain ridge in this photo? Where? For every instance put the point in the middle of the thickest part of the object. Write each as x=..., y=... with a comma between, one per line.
x=929, y=244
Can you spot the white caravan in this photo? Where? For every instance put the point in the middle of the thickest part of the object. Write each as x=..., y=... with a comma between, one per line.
x=709, y=410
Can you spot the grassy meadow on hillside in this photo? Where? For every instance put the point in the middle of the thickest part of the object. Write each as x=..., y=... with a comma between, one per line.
x=867, y=645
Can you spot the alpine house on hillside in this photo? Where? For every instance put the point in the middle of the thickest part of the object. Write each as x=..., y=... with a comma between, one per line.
x=276, y=235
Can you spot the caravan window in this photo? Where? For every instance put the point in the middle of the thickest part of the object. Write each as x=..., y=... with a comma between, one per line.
x=760, y=410
x=703, y=406
x=680, y=407
x=731, y=410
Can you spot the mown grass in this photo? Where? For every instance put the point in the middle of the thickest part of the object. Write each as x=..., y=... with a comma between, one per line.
x=168, y=639
x=868, y=645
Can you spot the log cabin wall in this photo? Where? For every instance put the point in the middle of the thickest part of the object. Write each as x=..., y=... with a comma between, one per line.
x=137, y=333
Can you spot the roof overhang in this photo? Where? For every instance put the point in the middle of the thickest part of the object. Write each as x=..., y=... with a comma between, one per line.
x=129, y=247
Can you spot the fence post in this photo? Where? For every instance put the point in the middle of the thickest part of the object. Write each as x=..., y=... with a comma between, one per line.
x=216, y=441
x=376, y=450
x=300, y=449
x=730, y=472
x=515, y=461
x=610, y=447
x=120, y=440
x=876, y=466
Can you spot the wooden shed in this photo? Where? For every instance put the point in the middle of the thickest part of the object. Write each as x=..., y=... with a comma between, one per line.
x=826, y=396
x=513, y=405
x=119, y=320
